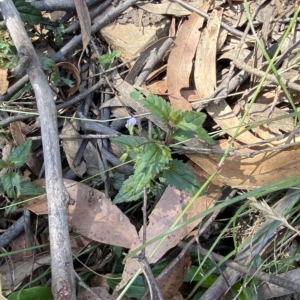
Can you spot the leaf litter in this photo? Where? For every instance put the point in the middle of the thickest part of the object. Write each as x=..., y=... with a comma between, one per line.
x=192, y=75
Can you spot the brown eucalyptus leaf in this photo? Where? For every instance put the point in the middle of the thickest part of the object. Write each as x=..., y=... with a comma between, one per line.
x=205, y=73
x=71, y=147
x=169, y=283
x=3, y=81
x=167, y=210
x=84, y=21
x=227, y=120
x=93, y=215
x=251, y=173
x=180, y=61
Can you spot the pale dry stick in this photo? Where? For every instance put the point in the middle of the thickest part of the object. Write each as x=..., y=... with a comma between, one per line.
x=238, y=80
x=80, y=137
x=242, y=65
x=253, y=272
x=237, y=53
x=63, y=281
x=152, y=283
x=81, y=282
x=283, y=67
x=109, y=17
x=156, y=55
x=292, y=134
x=206, y=16
x=190, y=150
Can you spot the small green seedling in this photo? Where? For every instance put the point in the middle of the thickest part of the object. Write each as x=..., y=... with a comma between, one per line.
x=10, y=183
x=153, y=160
x=106, y=59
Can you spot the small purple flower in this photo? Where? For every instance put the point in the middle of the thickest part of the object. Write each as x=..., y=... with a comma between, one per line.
x=131, y=121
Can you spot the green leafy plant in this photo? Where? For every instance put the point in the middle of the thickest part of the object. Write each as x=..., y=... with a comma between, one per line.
x=106, y=59
x=10, y=183
x=8, y=53
x=57, y=32
x=154, y=164
x=28, y=12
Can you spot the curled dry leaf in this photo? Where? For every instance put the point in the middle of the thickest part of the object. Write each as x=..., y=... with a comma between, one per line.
x=251, y=173
x=169, y=207
x=72, y=71
x=93, y=215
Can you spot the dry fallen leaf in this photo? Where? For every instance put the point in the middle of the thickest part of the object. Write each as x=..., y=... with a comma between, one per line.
x=71, y=146
x=100, y=291
x=93, y=215
x=85, y=23
x=226, y=119
x=205, y=73
x=251, y=173
x=164, y=214
x=260, y=112
x=170, y=282
x=72, y=71
x=22, y=269
x=180, y=61
x=3, y=81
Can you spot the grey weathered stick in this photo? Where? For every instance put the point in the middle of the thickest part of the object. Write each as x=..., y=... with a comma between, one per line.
x=109, y=17
x=52, y=5
x=63, y=282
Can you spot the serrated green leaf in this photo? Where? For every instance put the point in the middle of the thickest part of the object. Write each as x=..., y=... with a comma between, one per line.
x=27, y=188
x=176, y=116
x=126, y=140
x=11, y=184
x=149, y=164
x=136, y=95
x=13, y=206
x=192, y=121
x=48, y=64
x=3, y=164
x=28, y=12
x=160, y=108
x=17, y=158
x=132, y=189
x=153, y=159
x=117, y=180
x=131, y=144
x=179, y=175
x=182, y=135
